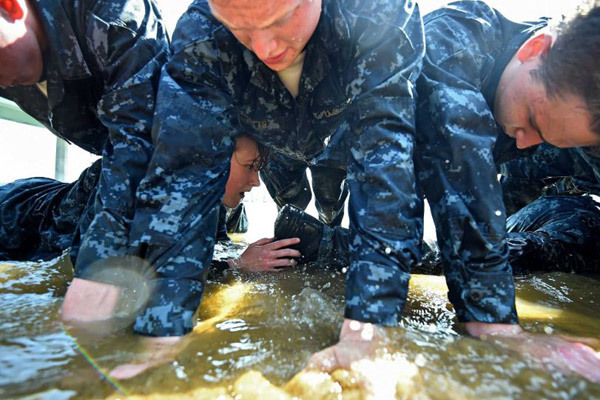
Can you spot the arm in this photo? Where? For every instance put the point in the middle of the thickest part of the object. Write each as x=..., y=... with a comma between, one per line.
x=457, y=133
x=385, y=211
x=178, y=199
x=128, y=50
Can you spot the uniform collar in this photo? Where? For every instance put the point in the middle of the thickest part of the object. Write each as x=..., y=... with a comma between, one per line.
x=317, y=65
x=64, y=49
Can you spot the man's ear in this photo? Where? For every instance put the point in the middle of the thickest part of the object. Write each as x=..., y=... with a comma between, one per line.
x=12, y=8
x=534, y=47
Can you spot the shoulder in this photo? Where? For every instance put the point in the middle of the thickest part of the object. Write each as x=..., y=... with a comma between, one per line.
x=459, y=17
x=463, y=29
x=360, y=13
x=133, y=15
x=196, y=25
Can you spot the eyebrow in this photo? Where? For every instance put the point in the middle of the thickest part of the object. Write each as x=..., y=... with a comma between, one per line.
x=534, y=125
x=281, y=18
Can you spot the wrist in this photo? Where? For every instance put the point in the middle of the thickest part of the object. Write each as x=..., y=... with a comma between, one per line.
x=479, y=329
x=357, y=330
x=234, y=263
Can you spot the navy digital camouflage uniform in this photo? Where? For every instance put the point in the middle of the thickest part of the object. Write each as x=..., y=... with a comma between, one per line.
x=554, y=222
x=101, y=67
x=559, y=227
x=554, y=219
x=360, y=68
x=459, y=146
x=286, y=180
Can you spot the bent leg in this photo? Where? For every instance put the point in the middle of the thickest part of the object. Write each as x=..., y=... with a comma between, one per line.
x=555, y=233
x=331, y=191
x=286, y=181
x=39, y=217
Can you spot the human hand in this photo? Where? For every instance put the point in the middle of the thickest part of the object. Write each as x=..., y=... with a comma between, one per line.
x=89, y=301
x=155, y=351
x=567, y=354
x=266, y=255
x=358, y=341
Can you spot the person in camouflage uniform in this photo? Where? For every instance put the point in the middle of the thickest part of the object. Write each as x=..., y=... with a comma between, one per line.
x=359, y=62
x=88, y=71
x=477, y=66
x=528, y=83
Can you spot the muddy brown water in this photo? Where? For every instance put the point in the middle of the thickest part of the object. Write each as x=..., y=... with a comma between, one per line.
x=255, y=332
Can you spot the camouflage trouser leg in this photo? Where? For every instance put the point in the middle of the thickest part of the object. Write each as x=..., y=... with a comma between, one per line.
x=222, y=225
x=237, y=220
x=555, y=233
x=331, y=191
x=334, y=248
x=287, y=182
x=39, y=217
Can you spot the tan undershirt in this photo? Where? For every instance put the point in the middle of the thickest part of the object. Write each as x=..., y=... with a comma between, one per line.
x=43, y=86
x=290, y=77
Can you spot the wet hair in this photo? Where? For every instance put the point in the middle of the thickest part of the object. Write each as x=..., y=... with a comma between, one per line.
x=264, y=152
x=572, y=66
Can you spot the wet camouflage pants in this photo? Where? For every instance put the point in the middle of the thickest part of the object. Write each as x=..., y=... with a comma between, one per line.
x=552, y=233
x=41, y=217
x=287, y=183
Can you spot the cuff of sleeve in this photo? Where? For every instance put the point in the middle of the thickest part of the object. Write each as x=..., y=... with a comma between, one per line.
x=170, y=310
x=484, y=297
x=375, y=293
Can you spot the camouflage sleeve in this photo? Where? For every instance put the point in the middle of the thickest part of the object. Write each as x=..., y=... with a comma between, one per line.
x=385, y=212
x=128, y=44
x=178, y=200
x=457, y=133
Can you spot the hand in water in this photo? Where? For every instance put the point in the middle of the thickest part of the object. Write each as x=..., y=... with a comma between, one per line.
x=358, y=341
x=156, y=351
x=266, y=255
x=563, y=353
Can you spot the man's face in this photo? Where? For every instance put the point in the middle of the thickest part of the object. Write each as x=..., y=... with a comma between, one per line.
x=526, y=113
x=243, y=174
x=275, y=30
x=21, y=61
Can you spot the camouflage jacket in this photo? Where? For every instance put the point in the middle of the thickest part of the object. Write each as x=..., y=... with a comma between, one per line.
x=468, y=47
x=549, y=170
x=101, y=67
x=360, y=67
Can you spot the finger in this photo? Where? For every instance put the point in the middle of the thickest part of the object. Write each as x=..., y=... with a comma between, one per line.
x=128, y=371
x=263, y=241
x=282, y=263
x=286, y=253
x=285, y=243
x=325, y=361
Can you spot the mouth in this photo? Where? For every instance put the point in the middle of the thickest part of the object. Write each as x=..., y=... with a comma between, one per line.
x=276, y=59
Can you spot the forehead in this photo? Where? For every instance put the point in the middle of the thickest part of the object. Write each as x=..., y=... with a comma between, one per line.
x=251, y=13
x=246, y=149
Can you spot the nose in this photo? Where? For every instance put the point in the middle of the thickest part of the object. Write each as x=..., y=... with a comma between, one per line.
x=527, y=138
x=254, y=179
x=262, y=43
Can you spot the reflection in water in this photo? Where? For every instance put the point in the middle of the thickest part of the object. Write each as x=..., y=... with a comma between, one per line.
x=255, y=332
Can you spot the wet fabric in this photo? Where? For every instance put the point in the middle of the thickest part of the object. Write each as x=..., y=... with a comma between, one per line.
x=237, y=220
x=287, y=183
x=468, y=47
x=360, y=69
x=558, y=228
x=102, y=67
x=39, y=216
